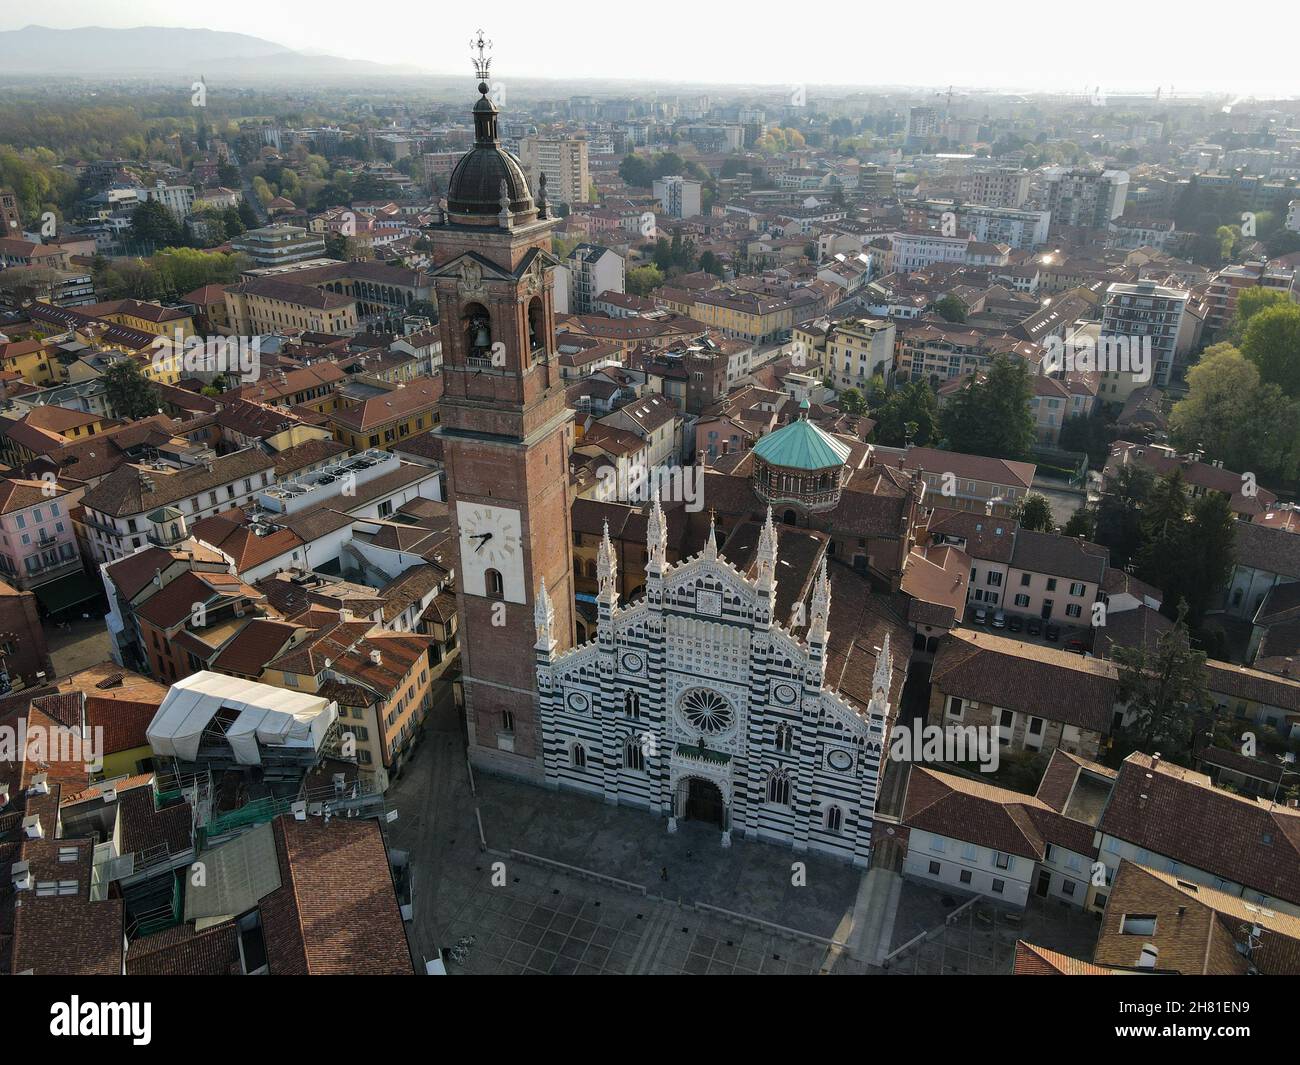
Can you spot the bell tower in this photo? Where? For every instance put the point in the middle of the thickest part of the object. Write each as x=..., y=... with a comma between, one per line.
x=506, y=432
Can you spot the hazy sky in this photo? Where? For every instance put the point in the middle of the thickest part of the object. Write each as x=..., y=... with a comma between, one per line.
x=1118, y=45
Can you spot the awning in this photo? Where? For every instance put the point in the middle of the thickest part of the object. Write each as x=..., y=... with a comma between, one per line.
x=68, y=591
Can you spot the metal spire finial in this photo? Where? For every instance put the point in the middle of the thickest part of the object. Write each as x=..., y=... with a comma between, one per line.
x=482, y=61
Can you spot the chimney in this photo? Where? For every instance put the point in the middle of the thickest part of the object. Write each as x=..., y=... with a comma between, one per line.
x=377, y=657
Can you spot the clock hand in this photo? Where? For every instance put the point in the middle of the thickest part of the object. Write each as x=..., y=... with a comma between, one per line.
x=482, y=538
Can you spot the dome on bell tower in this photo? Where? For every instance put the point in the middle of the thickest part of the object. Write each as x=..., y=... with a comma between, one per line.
x=488, y=180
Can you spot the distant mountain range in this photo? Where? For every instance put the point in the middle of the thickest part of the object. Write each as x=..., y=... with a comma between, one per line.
x=145, y=51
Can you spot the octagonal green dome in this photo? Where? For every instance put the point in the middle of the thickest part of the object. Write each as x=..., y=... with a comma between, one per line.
x=802, y=446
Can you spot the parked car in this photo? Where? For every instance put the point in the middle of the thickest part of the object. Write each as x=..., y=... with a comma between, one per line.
x=1015, y=624
x=981, y=616
x=999, y=619
x=1034, y=627
x=1053, y=633
x=1079, y=647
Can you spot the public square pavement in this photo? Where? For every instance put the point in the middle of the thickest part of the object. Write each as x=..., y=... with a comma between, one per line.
x=82, y=643
x=528, y=917
x=982, y=939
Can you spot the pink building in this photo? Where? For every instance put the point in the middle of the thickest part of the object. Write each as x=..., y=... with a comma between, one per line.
x=37, y=540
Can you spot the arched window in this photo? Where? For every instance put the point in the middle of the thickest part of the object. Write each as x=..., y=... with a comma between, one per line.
x=578, y=756
x=496, y=588
x=784, y=738
x=632, y=704
x=536, y=325
x=778, y=788
x=834, y=818
x=477, y=327
x=634, y=754
x=788, y=517
x=591, y=568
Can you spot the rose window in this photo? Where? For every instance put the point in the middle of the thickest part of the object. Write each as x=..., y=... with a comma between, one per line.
x=706, y=711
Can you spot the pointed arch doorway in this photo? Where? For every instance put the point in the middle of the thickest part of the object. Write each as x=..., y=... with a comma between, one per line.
x=701, y=800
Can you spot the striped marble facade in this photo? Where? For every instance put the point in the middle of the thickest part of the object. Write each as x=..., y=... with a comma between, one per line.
x=696, y=687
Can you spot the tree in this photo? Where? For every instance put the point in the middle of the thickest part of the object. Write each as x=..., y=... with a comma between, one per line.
x=1250, y=301
x=1165, y=558
x=636, y=171
x=951, y=309
x=130, y=393
x=1236, y=418
x=1271, y=341
x=991, y=416
x=1035, y=513
x=1214, y=536
x=1083, y=522
x=154, y=225
x=851, y=402
x=1089, y=433
x=642, y=280
x=1119, y=514
x=907, y=415
x=1164, y=689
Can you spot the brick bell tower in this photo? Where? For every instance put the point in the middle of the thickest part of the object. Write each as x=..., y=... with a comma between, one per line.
x=506, y=433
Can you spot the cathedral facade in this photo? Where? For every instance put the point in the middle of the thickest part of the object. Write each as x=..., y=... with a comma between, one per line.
x=694, y=701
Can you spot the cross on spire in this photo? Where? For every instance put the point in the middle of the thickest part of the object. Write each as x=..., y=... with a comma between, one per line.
x=482, y=61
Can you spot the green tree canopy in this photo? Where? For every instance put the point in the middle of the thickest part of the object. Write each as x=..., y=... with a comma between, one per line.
x=1035, y=513
x=951, y=309
x=1165, y=691
x=991, y=416
x=1271, y=340
x=130, y=393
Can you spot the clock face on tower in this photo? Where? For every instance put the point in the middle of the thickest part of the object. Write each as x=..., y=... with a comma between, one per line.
x=491, y=551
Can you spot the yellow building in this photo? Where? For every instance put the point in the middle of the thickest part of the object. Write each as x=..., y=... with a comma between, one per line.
x=380, y=680
x=383, y=420
x=35, y=361
x=146, y=317
x=118, y=705
x=266, y=305
x=744, y=315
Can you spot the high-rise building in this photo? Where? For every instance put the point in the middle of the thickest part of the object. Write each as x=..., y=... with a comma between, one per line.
x=564, y=162
x=1086, y=198
x=678, y=196
x=922, y=122
x=1002, y=187
x=1134, y=316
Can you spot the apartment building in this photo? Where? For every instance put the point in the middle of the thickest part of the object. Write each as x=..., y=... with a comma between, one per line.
x=1016, y=688
x=678, y=197
x=1227, y=284
x=1001, y=187
x=127, y=507
x=917, y=249
x=564, y=162
x=1139, y=314
x=38, y=535
x=276, y=245
x=589, y=271
x=269, y=305
x=178, y=199
x=1084, y=197
x=852, y=352
x=1013, y=226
